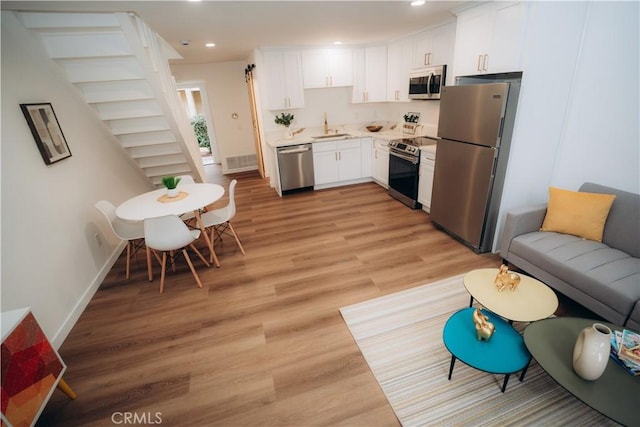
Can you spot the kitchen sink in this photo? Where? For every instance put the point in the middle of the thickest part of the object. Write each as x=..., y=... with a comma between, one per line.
x=332, y=135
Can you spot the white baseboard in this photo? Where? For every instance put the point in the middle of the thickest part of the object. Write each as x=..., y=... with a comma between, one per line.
x=73, y=317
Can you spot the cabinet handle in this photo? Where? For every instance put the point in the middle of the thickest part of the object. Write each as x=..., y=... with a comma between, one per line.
x=485, y=62
x=479, y=62
x=426, y=61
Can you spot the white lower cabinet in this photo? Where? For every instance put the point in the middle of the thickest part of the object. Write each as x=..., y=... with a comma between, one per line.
x=366, y=145
x=380, y=162
x=337, y=161
x=425, y=181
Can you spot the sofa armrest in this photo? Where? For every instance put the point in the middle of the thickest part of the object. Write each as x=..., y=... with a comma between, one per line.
x=521, y=221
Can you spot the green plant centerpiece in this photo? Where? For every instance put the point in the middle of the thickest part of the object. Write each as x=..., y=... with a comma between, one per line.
x=285, y=120
x=171, y=183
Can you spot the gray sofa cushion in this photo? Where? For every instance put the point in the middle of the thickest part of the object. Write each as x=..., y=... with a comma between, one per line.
x=622, y=229
x=607, y=274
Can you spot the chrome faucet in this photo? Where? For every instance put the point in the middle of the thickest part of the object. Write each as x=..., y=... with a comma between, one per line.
x=326, y=125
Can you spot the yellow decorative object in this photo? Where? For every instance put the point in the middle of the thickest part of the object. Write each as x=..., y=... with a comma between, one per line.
x=506, y=279
x=484, y=328
x=578, y=213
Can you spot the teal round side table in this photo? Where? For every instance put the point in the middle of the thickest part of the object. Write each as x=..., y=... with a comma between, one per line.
x=505, y=353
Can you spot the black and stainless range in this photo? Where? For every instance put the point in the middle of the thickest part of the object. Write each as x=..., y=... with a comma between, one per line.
x=404, y=168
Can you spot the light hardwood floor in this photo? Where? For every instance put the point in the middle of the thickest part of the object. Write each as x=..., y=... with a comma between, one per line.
x=263, y=343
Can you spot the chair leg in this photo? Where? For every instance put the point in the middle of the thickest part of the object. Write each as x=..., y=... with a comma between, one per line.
x=236, y=236
x=149, y=269
x=128, y=259
x=200, y=255
x=193, y=270
x=164, y=265
x=213, y=258
x=173, y=261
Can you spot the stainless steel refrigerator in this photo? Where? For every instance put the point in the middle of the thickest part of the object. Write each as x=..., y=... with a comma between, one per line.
x=475, y=127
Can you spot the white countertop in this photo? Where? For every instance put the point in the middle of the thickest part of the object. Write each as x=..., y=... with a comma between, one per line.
x=307, y=135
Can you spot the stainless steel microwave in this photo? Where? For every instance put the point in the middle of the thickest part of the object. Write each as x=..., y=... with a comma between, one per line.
x=426, y=83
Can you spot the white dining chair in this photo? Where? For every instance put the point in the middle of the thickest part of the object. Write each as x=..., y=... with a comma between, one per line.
x=167, y=234
x=189, y=218
x=131, y=231
x=185, y=179
x=219, y=220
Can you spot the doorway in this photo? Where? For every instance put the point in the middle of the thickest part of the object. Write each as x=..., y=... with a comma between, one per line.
x=193, y=96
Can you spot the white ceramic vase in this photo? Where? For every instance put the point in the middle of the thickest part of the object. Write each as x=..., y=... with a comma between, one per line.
x=288, y=134
x=591, y=352
x=173, y=192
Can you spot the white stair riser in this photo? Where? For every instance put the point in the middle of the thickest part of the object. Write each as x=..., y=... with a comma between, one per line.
x=154, y=150
x=98, y=70
x=128, y=109
x=86, y=45
x=69, y=20
x=147, y=124
x=160, y=171
x=128, y=90
x=158, y=161
x=147, y=138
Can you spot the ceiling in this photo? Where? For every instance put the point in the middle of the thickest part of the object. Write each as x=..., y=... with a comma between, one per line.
x=238, y=27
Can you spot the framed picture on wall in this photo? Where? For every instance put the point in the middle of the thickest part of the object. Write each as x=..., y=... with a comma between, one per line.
x=46, y=131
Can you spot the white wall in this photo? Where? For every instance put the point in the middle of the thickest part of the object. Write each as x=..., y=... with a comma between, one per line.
x=577, y=118
x=50, y=259
x=601, y=138
x=228, y=94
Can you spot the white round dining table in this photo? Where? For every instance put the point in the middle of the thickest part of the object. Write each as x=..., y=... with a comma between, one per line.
x=152, y=205
x=148, y=205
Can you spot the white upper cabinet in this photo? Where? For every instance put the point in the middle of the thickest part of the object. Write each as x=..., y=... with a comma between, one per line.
x=399, y=60
x=283, y=74
x=327, y=68
x=370, y=74
x=434, y=47
x=490, y=38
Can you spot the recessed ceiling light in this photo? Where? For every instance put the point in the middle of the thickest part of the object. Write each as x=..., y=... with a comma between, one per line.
x=210, y=45
x=337, y=43
x=417, y=3
x=185, y=42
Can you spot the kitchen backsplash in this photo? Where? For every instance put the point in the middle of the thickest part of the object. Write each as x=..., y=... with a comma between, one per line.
x=336, y=102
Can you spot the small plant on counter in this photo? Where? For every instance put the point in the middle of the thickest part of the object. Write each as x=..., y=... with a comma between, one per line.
x=411, y=118
x=284, y=119
x=171, y=182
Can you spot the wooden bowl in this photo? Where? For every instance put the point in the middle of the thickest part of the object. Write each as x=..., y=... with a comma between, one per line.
x=374, y=128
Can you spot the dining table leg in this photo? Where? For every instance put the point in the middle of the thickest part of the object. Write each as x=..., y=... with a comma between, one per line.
x=214, y=258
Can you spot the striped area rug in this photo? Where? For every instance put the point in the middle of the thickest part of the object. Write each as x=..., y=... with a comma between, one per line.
x=400, y=336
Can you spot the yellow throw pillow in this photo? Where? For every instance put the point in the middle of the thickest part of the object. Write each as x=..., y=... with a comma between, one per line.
x=577, y=213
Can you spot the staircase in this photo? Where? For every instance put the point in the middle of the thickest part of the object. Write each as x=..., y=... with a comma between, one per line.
x=121, y=68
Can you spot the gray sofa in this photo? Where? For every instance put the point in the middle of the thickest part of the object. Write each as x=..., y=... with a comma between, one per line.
x=603, y=277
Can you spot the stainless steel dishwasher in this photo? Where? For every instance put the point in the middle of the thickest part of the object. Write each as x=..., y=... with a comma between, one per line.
x=296, y=167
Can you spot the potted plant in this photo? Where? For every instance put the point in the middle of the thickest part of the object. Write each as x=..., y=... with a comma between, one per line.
x=171, y=182
x=285, y=120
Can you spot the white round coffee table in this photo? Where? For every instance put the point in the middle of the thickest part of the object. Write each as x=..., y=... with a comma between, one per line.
x=532, y=300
